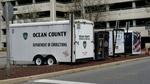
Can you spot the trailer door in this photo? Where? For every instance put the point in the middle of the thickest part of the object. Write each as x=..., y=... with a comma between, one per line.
x=128, y=43
x=84, y=46
x=136, y=42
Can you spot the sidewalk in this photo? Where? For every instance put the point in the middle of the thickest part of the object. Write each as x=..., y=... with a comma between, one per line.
x=2, y=59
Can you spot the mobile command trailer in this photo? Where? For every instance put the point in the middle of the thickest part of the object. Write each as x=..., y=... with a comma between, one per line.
x=101, y=40
x=117, y=37
x=51, y=42
x=119, y=41
x=132, y=42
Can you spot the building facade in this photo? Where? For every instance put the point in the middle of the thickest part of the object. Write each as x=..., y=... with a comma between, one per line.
x=34, y=11
x=137, y=12
x=1, y=35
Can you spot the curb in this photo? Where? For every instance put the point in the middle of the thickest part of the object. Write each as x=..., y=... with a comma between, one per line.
x=53, y=74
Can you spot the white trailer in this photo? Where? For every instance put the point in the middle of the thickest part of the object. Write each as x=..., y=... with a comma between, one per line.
x=51, y=42
x=118, y=40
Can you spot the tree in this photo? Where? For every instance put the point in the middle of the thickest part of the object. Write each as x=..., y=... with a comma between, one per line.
x=30, y=15
x=88, y=9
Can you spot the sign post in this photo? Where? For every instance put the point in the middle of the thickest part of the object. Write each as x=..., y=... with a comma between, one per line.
x=147, y=27
x=72, y=26
x=127, y=26
x=8, y=15
x=115, y=32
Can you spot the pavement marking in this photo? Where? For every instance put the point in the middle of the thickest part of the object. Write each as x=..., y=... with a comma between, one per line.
x=58, y=82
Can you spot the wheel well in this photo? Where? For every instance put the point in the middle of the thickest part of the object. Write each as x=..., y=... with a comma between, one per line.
x=51, y=56
x=37, y=56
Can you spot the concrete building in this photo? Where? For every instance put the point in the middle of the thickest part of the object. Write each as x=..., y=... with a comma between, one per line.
x=34, y=11
x=137, y=12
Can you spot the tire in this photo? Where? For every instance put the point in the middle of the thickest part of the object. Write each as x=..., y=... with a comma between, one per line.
x=50, y=61
x=38, y=61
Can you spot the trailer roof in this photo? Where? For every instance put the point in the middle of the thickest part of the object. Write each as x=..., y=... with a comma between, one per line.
x=130, y=31
x=108, y=29
x=50, y=23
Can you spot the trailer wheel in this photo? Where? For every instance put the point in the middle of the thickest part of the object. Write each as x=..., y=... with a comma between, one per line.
x=50, y=60
x=38, y=61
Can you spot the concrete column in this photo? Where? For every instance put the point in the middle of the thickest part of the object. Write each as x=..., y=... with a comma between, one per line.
x=107, y=7
x=52, y=10
x=134, y=23
x=16, y=19
x=133, y=4
x=0, y=26
x=33, y=1
x=83, y=9
x=107, y=25
x=16, y=3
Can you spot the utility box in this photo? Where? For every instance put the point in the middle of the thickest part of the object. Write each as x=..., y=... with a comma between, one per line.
x=132, y=42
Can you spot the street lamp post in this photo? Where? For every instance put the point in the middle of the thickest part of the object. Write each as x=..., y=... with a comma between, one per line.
x=8, y=15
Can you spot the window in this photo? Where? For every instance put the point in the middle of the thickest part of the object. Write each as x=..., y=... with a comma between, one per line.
x=142, y=22
x=122, y=23
x=121, y=6
x=41, y=1
x=141, y=3
x=4, y=31
x=64, y=1
x=100, y=25
x=112, y=24
x=95, y=8
x=34, y=15
x=43, y=14
x=24, y=2
x=4, y=44
x=61, y=14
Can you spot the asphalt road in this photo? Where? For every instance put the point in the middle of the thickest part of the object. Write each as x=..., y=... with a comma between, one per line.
x=130, y=73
